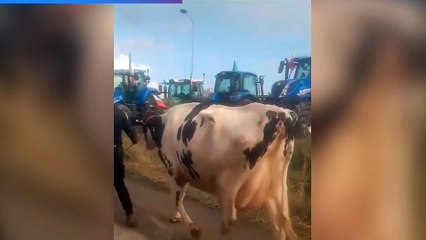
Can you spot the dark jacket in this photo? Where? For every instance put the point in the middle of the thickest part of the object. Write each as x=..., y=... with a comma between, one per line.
x=121, y=122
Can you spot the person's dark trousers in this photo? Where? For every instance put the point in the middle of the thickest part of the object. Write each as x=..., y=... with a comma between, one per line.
x=119, y=185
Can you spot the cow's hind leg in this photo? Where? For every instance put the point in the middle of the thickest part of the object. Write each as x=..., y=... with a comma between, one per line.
x=229, y=212
x=229, y=186
x=178, y=191
x=271, y=210
x=285, y=225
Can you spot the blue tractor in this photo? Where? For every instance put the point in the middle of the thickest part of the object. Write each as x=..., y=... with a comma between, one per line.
x=237, y=88
x=133, y=95
x=294, y=92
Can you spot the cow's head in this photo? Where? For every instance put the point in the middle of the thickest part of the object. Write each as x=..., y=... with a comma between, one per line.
x=280, y=123
x=277, y=124
x=153, y=128
x=283, y=125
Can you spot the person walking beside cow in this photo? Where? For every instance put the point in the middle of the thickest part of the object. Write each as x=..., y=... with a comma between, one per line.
x=122, y=123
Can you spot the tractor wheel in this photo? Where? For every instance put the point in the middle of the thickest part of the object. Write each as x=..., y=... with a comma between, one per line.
x=126, y=110
x=304, y=113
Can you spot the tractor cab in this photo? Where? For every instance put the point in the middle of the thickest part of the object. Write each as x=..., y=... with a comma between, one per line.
x=296, y=68
x=182, y=90
x=179, y=88
x=236, y=86
x=297, y=79
x=132, y=93
x=128, y=85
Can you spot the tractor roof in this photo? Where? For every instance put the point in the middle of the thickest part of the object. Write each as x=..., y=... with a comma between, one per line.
x=184, y=80
x=233, y=72
x=304, y=58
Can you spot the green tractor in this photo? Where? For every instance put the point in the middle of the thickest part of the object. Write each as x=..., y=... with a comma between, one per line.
x=182, y=91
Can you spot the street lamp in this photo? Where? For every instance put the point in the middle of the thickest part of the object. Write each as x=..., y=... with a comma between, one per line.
x=185, y=12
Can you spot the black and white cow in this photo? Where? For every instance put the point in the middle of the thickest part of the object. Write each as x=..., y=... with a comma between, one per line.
x=240, y=154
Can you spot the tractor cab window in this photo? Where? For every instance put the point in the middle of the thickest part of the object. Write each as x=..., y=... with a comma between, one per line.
x=173, y=90
x=304, y=70
x=197, y=89
x=229, y=82
x=250, y=84
x=225, y=85
x=118, y=79
x=186, y=88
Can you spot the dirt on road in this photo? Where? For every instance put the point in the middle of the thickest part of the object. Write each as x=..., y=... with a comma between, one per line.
x=152, y=212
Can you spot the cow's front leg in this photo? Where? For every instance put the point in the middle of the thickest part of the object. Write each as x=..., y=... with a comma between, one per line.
x=178, y=192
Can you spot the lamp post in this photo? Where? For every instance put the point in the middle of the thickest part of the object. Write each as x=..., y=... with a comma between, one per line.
x=184, y=12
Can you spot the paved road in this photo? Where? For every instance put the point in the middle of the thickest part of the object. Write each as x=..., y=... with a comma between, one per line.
x=151, y=212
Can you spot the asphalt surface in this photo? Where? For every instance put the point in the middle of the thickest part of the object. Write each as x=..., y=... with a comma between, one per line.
x=151, y=207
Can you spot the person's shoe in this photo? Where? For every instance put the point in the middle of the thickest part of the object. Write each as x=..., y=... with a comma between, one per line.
x=130, y=220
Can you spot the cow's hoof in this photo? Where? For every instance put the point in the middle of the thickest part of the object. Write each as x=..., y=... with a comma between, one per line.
x=175, y=220
x=195, y=231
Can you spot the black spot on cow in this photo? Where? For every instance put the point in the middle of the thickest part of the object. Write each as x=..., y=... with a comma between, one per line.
x=179, y=133
x=186, y=160
x=177, y=198
x=253, y=154
x=160, y=154
x=197, y=109
x=282, y=116
x=156, y=128
x=271, y=114
x=170, y=168
x=188, y=131
x=167, y=163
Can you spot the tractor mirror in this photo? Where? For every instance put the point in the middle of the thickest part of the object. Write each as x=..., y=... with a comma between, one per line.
x=281, y=67
x=160, y=87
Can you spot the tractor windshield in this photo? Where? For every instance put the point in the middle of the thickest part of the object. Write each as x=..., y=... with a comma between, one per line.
x=250, y=83
x=176, y=89
x=228, y=82
x=120, y=79
x=236, y=81
x=197, y=89
x=303, y=69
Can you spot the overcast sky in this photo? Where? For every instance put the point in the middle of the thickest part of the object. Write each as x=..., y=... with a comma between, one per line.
x=256, y=34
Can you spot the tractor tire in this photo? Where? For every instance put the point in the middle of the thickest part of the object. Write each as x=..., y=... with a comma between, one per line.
x=304, y=113
x=126, y=110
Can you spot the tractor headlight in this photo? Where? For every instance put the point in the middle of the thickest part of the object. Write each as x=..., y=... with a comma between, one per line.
x=304, y=92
